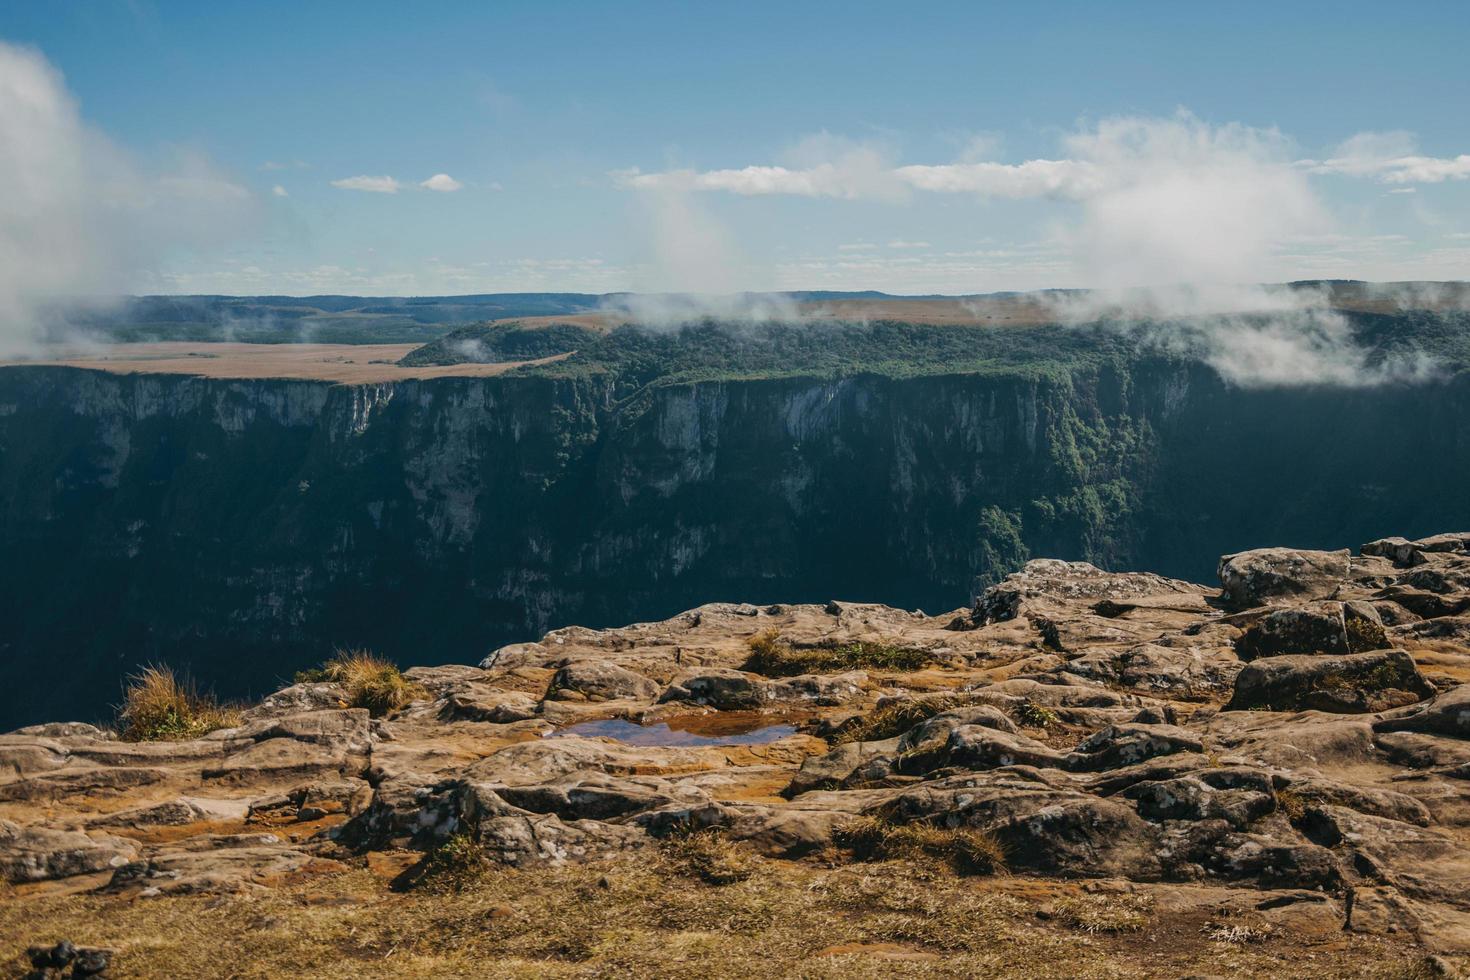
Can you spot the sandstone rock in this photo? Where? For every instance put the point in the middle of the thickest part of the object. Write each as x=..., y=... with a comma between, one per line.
x=1118, y=746
x=981, y=747
x=821, y=689
x=722, y=688
x=1164, y=794
x=1446, y=714
x=298, y=698
x=39, y=853
x=1315, y=627
x=478, y=702
x=1352, y=684
x=598, y=680
x=1206, y=795
x=1048, y=578
x=169, y=813
x=833, y=769
x=64, y=729
x=1273, y=575
x=598, y=796
x=1156, y=668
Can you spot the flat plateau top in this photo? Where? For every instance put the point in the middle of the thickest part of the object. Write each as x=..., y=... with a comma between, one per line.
x=346, y=363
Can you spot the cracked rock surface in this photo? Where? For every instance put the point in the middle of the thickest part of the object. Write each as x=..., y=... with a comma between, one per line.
x=1304, y=729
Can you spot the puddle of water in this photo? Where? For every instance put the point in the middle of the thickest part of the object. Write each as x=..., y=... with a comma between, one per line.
x=688, y=731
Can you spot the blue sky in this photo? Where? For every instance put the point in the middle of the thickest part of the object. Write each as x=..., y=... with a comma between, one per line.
x=599, y=147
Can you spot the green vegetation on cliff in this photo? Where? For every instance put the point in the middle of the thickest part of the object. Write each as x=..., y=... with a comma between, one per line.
x=241, y=529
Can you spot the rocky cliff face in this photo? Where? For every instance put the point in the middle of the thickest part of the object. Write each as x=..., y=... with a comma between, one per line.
x=240, y=529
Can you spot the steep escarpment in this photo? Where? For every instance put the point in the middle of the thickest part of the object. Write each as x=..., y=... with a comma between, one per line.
x=240, y=529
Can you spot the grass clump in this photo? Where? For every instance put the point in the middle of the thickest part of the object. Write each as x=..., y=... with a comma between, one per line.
x=968, y=851
x=709, y=856
x=1033, y=715
x=898, y=717
x=1096, y=914
x=773, y=657
x=1292, y=804
x=371, y=682
x=454, y=866
x=1364, y=634
x=158, y=706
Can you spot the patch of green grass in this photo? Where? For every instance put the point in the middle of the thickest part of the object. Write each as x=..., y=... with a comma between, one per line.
x=1033, y=715
x=773, y=657
x=158, y=706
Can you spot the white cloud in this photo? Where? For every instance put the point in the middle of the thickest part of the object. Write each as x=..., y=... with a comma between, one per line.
x=279, y=191
x=822, y=165
x=899, y=243
x=1179, y=200
x=80, y=220
x=374, y=185
x=441, y=182
x=1392, y=158
x=1035, y=178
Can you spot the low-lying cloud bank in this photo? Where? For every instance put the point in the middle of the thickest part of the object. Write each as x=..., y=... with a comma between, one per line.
x=1254, y=336
x=80, y=218
x=1168, y=217
x=1098, y=160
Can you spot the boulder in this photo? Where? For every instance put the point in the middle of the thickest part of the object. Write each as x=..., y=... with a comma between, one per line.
x=1267, y=576
x=1118, y=746
x=1081, y=835
x=1239, y=797
x=829, y=771
x=718, y=687
x=982, y=747
x=1351, y=684
x=598, y=680
x=1314, y=627
x=170, y=813
x=1072, y=581
x=1155, y=667
x=1447, y=714
x=40, y=853
x=478, y=702
x=822, y=689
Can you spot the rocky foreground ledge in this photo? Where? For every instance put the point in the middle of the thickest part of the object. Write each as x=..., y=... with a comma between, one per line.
x=1087, y=773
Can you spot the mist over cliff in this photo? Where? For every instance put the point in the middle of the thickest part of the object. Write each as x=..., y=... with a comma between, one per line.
x=241, y=529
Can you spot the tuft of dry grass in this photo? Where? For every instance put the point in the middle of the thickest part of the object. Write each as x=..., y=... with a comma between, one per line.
x=773, y=657
x=968, y=851
x=1292, y=804
x=898, y=717
x=371, y=681
x=1096, y=914
x=709, y=856
x=159, y=706
x=1234, y=933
